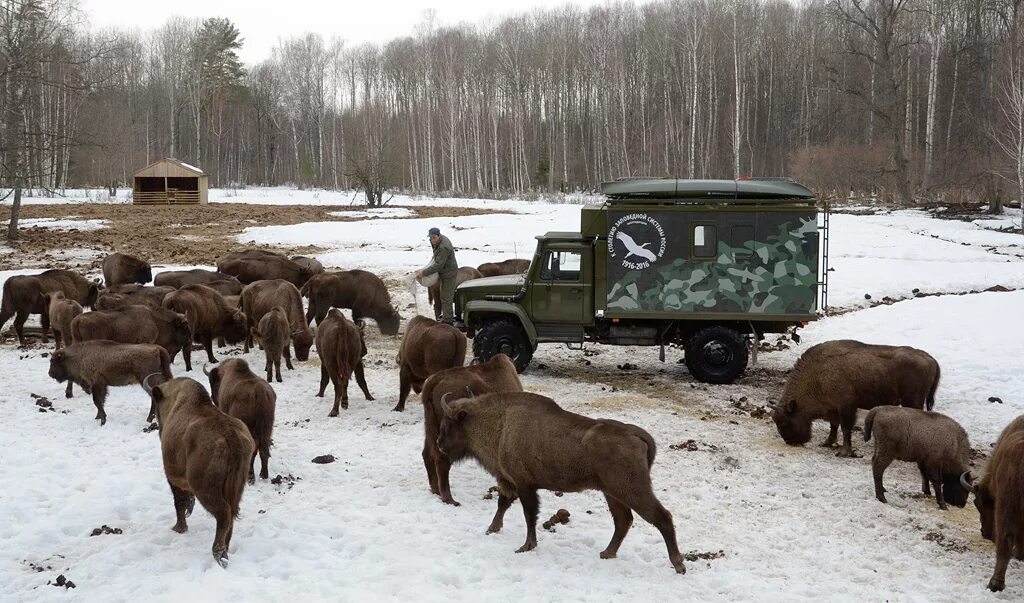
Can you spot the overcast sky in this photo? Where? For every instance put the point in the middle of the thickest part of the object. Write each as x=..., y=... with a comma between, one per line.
x=263, y=23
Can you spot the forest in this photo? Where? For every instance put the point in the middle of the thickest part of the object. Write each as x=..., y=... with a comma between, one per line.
x=906, y=101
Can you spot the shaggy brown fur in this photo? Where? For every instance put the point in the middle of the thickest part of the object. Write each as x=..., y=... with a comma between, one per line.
x=465, y=273
x=528, y=443
x=937, y=443
x=61, y=312
x=999, y=497
x=262, y=296
x=505, y=267
x=120, y=296
x=96, y=365
x=121, y=268
x=242, y=394
x=310, y=265
x=361, y=291
x=206, y=456
x=225, y=284
x=427, y=347
x=23, y=295
x=496, y=375
x=266, y=267
x=137, y=324
x=339, y=342
x=272, y=334
x=832, y=380
x=208, y=314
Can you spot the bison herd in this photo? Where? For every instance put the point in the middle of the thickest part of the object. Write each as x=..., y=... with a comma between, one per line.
x=528, y=443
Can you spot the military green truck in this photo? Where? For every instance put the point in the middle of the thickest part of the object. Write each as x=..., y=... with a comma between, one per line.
x=707, y=265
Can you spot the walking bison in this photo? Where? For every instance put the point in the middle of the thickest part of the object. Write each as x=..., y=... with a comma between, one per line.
x=427, y=347
x=361, y=291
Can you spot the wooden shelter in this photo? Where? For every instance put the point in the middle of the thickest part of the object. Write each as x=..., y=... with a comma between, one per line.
x=169, y=181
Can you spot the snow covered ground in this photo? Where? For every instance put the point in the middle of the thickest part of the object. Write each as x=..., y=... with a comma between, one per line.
x=791, y=523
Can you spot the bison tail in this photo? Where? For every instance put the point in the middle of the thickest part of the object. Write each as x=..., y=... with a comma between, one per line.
x=930, y=403
x=652, y=448
x=264, y=431
x=7, y=305
x=165, y=364
x=868, y=422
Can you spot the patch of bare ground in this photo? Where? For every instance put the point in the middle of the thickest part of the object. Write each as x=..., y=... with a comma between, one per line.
x=188, y=235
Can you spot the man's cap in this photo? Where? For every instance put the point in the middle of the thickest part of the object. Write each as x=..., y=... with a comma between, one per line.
x=434, y=231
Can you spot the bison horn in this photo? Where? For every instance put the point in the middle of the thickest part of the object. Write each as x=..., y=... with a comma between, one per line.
x=145, y=382
x=444, y=404
x=470, y=392
x=206, y=371
x=966, y=481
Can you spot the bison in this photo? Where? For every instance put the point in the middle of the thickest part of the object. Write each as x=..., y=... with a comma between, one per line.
x=361, y=291
x=137, y=324
x=225, y=284
x=242, y=394
x=272, y=333
x=120, y=296
x=96, y=365
x=23, y=295
x=528, y=443
x=260, y=297
x=121, y=268
x=311, y=265
x=466, y=273
x=427, y=347
x=496, y=375
x=832, y=380
x=207, y=455
x=339, y=342
x=937, y=443
x=208, y=314
x=61, y=311
x=264, y=267
x=505, y=267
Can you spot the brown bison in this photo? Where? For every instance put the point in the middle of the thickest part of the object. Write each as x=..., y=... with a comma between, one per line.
x=242, y=394
x=361, y=291
x=528, y=443
x=97, y=365
x=61, y=311
x=505, y=267
x=120, y=296
x=207, y=455
x=427, y=347
x=121, y=268
x=261, y=297
x=264, y=267
x=937, y=443
x=339, y=342
x=311, y=265
x=999, y=497
x=272, y=334
x=23, y=295
x=137, y=324
x=832, y=380
x=208, y=315
x=225, y=284
x=466, y=273
x=496, y=375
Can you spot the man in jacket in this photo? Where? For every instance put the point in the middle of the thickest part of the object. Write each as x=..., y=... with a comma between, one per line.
x=446, y=267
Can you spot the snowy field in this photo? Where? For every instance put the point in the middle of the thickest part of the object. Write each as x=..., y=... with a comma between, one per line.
x=791, y=523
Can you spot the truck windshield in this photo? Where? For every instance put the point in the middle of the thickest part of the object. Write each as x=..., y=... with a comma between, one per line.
x=561, y=266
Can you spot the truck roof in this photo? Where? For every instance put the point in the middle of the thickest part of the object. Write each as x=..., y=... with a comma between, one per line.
x=659, y=190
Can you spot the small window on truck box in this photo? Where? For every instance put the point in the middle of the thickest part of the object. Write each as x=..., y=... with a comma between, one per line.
x=561, y=266
x=705, y=241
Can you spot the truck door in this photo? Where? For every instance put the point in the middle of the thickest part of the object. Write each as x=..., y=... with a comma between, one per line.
x=562, y=290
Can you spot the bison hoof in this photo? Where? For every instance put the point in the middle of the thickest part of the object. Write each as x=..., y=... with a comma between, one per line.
x=400, y=408
x=103, y=421
x=881, y=498
x=320, y=395
x=996, y=585
x=221, y=558
x=608, y=554
x=680, y=568
x=827, y=444
x=495, y=528
x=450, y=501
x=333, y=413
x=848, y=454
x=528, y=546
x=252, y=479
x=943, y=507
x=369, y=398
x=180, y=528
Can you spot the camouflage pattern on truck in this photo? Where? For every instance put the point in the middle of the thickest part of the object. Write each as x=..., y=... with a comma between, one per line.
x=680, y=262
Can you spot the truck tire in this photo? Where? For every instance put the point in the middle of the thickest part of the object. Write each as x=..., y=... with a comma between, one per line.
x=716, y=355
x=503, y=336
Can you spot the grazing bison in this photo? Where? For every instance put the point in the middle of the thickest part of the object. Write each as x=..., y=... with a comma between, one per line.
x=244, y=395
x=261, y=297
x=505, y=267
x=466, y=273
x=496, y=375
x=266, y=267
x=361, y=291
x=528, y=443
x=999, y=497
x=311, y=265
x=137, y=324
x=832, y=380
x=96, y=365
x=121, y=268
x=272, y=334
x=937, y=443
x=61, y=312
x=208, y=314
x=207, y=455
x=23, y=295
x=339, y=342
x=427, y=347
x=225, y=284
x=120, y=296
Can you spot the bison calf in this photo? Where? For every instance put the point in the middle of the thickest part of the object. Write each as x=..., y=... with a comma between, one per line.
x=206, y=454
x=340, y=345
x=937, y=443
x=61, y=312
x=528, y=443
x=427, y=347
x=244, y=395
x=261, y=297
x=272, y=334
x=96, y=365
x=832, y=380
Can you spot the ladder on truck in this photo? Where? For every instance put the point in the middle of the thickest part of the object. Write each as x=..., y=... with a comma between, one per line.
x=823, y=260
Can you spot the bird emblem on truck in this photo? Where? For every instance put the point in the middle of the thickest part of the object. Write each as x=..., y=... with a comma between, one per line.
x=634, y=249
x=633, y=227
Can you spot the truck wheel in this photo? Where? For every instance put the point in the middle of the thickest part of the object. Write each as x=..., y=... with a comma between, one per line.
x=503, y=336
x=716, y=355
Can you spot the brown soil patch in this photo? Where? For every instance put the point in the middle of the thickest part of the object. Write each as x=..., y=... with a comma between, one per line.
x=189, y=235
